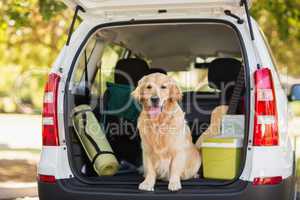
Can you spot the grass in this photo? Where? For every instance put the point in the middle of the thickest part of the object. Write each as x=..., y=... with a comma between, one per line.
x=33, y=151
x=17, y=171
x=18, y=165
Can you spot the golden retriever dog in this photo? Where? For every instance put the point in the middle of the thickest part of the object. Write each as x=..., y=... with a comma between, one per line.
x=168, y=151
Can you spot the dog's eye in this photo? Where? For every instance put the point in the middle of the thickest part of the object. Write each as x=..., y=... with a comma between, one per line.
x=149, y=87
x=163, y=87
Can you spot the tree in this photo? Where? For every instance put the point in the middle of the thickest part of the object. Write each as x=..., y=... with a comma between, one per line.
x=31, y=34
x=280, y=21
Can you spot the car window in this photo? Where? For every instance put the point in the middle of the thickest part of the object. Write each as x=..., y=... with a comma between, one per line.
x=110, y=56
x=192, y=80
x=83, y=61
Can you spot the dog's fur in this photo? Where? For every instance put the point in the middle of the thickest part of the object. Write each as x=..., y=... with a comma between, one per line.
x=168, y=151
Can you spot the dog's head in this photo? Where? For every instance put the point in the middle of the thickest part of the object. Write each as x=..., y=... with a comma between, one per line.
x=155, y=91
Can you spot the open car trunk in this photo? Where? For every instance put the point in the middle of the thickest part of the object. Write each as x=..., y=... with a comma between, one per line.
x=130, y=9
x=177, y=48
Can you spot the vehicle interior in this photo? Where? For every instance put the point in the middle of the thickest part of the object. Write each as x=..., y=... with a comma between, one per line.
x=203, y=58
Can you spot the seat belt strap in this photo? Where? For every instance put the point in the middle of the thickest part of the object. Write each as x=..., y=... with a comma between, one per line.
x=237, y=92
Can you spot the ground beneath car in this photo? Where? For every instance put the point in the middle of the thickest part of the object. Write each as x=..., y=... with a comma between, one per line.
x=17, y=171
x=18, y=165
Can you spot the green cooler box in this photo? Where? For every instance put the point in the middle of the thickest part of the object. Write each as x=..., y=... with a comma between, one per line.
x=221, y=157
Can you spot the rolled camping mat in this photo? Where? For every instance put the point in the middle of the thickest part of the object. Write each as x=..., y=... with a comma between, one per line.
x=94, y=142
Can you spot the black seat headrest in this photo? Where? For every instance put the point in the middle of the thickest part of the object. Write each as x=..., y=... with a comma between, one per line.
x=223, y=71
x=130, y=71
x=157, y=70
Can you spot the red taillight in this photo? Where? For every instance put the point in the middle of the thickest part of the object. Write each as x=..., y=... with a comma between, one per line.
x=267, y=181
x=265, y=120
x=46, y=178
x=50, y=126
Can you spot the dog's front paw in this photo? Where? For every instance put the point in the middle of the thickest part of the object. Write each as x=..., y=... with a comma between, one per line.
x=146, y=186
x=174, y=186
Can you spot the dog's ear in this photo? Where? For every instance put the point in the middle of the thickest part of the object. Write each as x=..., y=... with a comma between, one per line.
x=175, y=92
x=137, y=92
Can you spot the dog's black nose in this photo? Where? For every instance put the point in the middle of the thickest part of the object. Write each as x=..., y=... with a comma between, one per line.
x=155, y=100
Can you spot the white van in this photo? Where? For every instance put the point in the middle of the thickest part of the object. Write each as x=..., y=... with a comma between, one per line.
x=203, y=45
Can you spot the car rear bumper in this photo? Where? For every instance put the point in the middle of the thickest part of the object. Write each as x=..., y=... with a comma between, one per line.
x=62, y=190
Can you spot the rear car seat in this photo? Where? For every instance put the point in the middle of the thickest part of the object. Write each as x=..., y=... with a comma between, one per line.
x=121, y=133
x=222, y=74
x=132, y=68
x=157, y=70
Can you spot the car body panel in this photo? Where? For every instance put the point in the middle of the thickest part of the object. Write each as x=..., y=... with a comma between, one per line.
x=248, y=173
x=69, y=189
x=259, y=162
x=54, y=162
x=264, y=161
x=151, y=8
